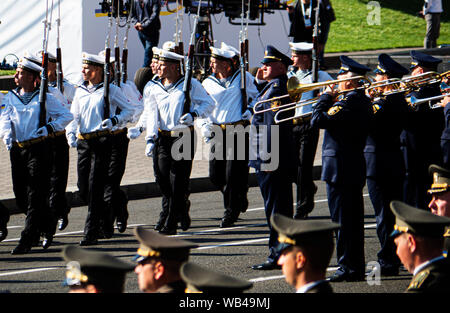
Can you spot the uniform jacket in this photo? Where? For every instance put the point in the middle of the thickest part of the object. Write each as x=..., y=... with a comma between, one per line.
x=165, y=105
x=20, y=121
x=435, y=277
x=346, y=125
x=87, y=109
x=384, y=158
x=274, y=88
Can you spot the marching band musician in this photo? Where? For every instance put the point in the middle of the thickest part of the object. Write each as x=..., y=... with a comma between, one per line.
x=445, y=137
x=306, y=136
x=275, y=183
x=168, y=126
x=421, y=138
x=26, y=139
x=343, y=167
x=228, y=172
x=115, y=198
x=384, y=160
x=90, y=133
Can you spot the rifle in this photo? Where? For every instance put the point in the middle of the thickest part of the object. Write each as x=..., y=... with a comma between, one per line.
x=59, y=72
x=115, y=11
x=107, y=73
x=178, y=37
x=125, y=48
x=43, y=88
x=315, y=59
x=242, y=41
x=189, y=65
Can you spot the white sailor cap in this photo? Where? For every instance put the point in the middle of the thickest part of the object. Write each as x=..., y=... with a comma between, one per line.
x=92, y=59
x=51, y=56
x=28, y=65
x=36, y=58
x=169, y=46
x=155, y=53
x=301, y=47
x=169, y=56
x=102, y=54
x=224, y=46
x=221, y=54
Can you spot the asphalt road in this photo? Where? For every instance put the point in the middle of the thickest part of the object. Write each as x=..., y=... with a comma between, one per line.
x=231, y=250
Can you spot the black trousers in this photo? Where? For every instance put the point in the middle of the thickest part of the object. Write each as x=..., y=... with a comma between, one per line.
x=4, y=215
x=346, y=205
x=30, y=177
x=306, y=138
x=229, y=173
x=172, y=177
x=93, y=162
x=276, y=191
x=381, y=193
x=59, y=151
x=115, y=198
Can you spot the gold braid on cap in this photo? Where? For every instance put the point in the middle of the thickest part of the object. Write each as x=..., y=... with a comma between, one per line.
x=191, y=289
x=148, y=252
x=402, y=229
x=74, y=274
x=284, y=239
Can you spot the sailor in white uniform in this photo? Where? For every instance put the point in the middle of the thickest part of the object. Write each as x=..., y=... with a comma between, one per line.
x=306, y=137
x=228, y=170
x=25, y=128
x=169, y=125
x=90, y=132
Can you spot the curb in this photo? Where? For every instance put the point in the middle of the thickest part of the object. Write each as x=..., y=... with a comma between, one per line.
x=150, y=190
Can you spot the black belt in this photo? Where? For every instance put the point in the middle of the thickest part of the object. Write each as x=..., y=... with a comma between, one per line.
x=173, y=133
x=27, y=143
x=96, y=134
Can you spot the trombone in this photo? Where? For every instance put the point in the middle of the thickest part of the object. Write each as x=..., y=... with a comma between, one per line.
x=424, y=79
x=295, y=90
x=415, y=101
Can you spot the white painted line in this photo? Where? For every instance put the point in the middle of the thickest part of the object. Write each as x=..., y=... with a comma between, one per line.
x=261, y=279
x=30, y=271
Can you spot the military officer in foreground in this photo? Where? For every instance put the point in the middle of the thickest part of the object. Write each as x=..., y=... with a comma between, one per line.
x=228, y=165
x=159, y=260
x=418, y=235
x=384, y=160
x=170, y=138
x=306, y=249
x=89, y=271
x=346, y=124
x=202, y=280
x=440, y=197
x=271, y=153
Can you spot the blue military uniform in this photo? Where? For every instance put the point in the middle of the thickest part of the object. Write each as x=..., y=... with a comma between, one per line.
x=343, y=169
x=384, y=161
x=445, y=137
x=275, y=183
x=421, y=139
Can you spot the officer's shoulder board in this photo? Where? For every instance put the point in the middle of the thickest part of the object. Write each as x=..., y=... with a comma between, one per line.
x=334, y=110
x=419, y=279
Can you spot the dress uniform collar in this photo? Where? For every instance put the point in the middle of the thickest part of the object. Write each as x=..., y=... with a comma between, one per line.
x=441, y=179
x=416, y=221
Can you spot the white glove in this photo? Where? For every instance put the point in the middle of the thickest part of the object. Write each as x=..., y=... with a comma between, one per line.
x=72, y=140
x=42, y=132
x=8, y=143
x=247, y=115
x=187, y=119
x=149, y=149
x=134, y=132
x=107, y=124
x=206, y=131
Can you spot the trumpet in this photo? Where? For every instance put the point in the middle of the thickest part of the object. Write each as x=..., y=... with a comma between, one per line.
x=295, y=90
